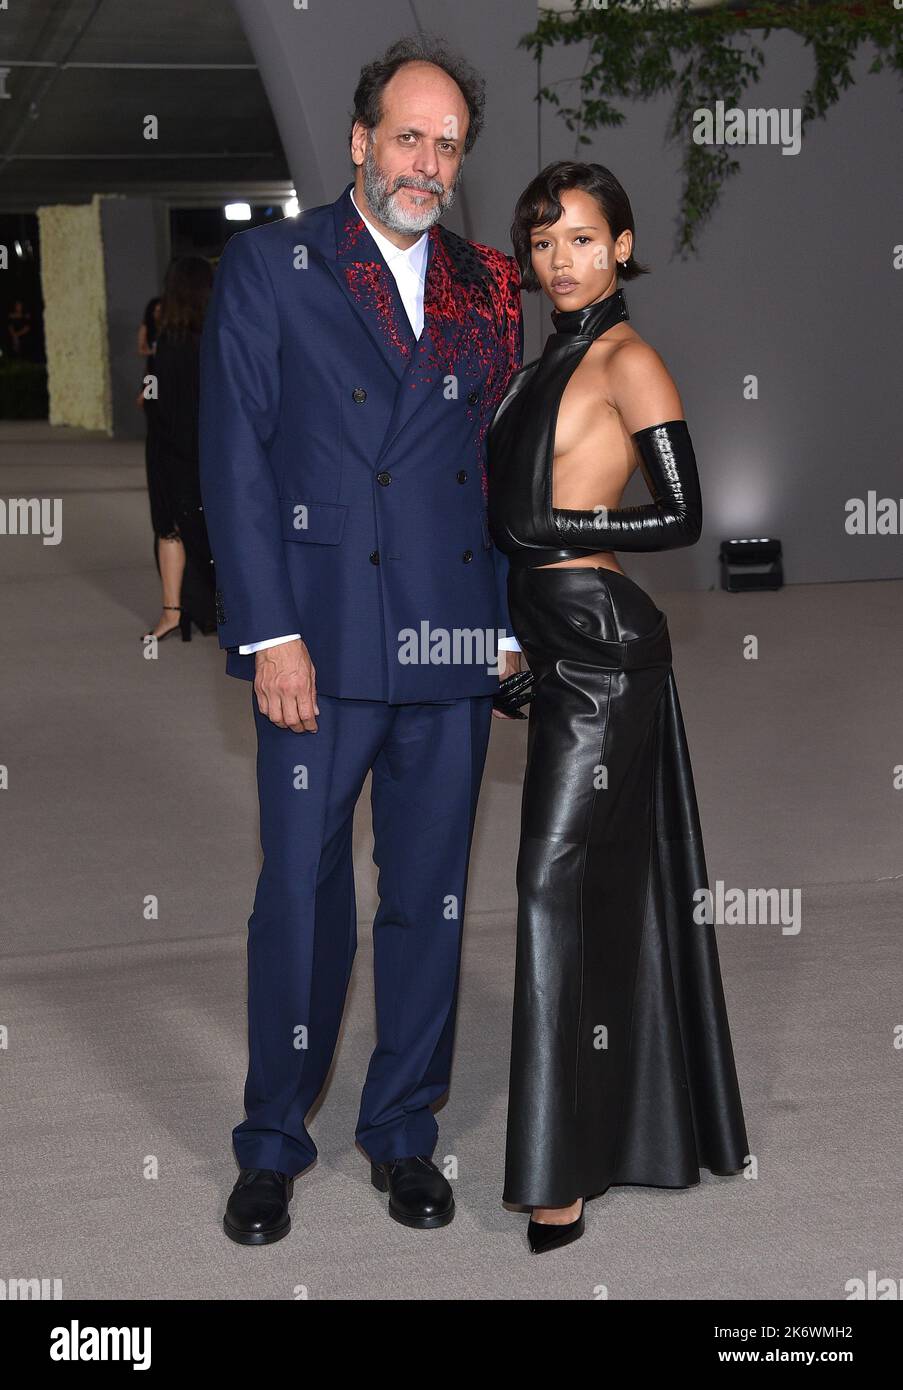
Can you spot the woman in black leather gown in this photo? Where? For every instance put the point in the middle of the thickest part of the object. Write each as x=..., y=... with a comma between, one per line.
x=622, y=1070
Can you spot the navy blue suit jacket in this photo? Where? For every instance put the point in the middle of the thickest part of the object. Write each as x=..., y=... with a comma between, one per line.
x=343, y=461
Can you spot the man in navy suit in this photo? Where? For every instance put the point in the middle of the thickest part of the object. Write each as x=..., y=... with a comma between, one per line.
x=352, y=359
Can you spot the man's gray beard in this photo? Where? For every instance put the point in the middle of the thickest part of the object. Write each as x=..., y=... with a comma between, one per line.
x=379, y=196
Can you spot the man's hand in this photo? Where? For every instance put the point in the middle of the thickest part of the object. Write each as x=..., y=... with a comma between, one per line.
x=509, y=662
x=286, y=687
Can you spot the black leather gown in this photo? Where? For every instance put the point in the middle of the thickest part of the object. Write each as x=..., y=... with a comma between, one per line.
x=622, y=1069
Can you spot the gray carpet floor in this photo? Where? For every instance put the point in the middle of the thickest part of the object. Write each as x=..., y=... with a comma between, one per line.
x=124, y=1049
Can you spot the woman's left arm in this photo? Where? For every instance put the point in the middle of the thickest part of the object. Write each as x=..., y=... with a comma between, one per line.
x=649, y=404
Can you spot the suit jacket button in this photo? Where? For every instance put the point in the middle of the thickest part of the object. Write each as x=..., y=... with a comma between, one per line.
x=473, y=397
x=359, y=395
x=374, y=557
x=467, y=556
x=384, y=478
x=462, y=476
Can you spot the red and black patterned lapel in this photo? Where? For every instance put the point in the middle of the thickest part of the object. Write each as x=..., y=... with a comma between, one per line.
x=369, y=285
x=459, y=294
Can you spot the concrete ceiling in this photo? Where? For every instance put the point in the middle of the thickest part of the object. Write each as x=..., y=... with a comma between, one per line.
x=79, y=78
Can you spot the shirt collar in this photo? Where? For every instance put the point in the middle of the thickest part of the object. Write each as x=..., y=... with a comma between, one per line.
x=415, y=255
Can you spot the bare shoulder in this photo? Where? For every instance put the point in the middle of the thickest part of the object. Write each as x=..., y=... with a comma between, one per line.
x=640, y=385
x=634, y=362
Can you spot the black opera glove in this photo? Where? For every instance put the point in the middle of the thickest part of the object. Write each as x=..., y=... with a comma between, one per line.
x=672, y=519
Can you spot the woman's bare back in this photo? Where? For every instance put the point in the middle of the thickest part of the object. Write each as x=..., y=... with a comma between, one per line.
x=619, y=380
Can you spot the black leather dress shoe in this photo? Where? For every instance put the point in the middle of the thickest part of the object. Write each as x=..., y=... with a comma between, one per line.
x=257, y=1209
x=419, y=1195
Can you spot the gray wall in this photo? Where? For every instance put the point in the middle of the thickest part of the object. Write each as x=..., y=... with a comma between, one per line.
x=136, y=253
x=793, y=281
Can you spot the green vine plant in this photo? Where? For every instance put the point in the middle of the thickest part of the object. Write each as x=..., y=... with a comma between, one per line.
x=640, y=48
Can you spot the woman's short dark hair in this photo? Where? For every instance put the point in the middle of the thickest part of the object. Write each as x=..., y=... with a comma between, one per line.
x=539, y=206
x=418, y=49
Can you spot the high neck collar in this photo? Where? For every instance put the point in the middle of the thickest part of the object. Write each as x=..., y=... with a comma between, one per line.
x=593, y=319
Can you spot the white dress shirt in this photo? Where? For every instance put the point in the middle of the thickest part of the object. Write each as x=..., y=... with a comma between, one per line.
x=408, y=265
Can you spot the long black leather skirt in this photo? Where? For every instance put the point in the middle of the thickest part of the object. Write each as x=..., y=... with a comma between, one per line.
x=622, y=1069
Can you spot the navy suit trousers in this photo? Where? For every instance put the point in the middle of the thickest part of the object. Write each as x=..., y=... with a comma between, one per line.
x=427, y=762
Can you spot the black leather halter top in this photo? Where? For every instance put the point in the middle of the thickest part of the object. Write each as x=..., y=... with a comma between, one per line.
x=521, y=439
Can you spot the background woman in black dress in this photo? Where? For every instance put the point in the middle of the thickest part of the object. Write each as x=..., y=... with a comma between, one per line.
x=181, y=547
x=147, y=335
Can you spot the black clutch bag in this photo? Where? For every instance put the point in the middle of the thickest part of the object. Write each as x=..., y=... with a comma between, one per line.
x=513, y=692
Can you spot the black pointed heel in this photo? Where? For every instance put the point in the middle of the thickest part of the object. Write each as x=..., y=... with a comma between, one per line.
x=542, y=1237
x=378, y=1178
